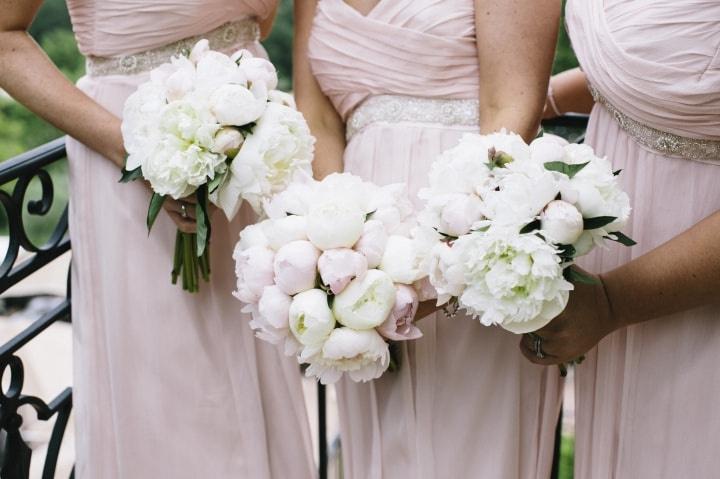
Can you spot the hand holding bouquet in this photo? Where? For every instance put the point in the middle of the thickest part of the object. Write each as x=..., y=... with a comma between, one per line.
x=332, y=275
x=504, y=220
x=212, y=126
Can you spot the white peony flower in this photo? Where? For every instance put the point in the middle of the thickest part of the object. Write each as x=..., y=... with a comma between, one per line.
x=337, y=267
x=512, y=280
x=445, y=272
x=452, y=214
x=402, y=260
x=335, y=224
x=236, y=105
x=227, y=142
x=311, y=320
x=214, y=70
x=372, y=242
x=548, y=148
x=254, y=271
x=280, y=145
x=364, y=355
x=521, y=196
x=277, y=96
x=252, y=235
x=141, y=115
x=271, y=319
x=561, y=223
x=366, y=302
x=282, y=231
x=257, y=70
x=295, y=267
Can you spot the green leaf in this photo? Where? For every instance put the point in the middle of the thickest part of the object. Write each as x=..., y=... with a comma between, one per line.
x=215, y=183
x=597, y=222
x=131, y=175
x=617, y=172
x=576, y=276
x=202, y=220
x=621, y=238
x=567, y=252
x=530, y=227
x=156, y=203
x=561, y=167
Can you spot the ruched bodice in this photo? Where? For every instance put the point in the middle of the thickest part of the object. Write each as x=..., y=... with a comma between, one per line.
x=658, y=61
x=116, y=27
x=404, y=47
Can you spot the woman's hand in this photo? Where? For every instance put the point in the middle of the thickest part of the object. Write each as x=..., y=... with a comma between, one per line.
x=586, y=320
x=182, y=212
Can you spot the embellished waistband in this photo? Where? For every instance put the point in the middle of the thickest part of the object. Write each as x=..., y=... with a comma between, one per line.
x=231, y=35
x=669, y=144
x=398, y=109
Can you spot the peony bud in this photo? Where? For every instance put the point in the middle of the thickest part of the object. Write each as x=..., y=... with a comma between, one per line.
x=295, y=267
x=338, y=267
x=402, y=260
x=335, y=225
x=311, y=320
x=199, y=50
x=561, y=222
x=254, y=271
x=366, y=302
x=236, y=105
x=398, y=326
x=287, y=229
x=274, y=307
x=372, y=242
x=460, y=213
x=227, y=142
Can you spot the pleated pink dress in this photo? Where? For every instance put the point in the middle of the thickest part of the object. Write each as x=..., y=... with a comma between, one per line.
x=465, y=403
x=647, y=396
x=167, y=384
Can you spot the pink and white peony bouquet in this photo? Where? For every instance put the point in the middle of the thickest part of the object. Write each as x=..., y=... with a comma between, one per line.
x=333, y=275
x=213, y=126
x=504, y=220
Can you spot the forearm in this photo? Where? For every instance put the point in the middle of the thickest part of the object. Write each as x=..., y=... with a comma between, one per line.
x=29, y=76
x=679, y=275
x=571, y=93
x=516, y=43
x=323, y=119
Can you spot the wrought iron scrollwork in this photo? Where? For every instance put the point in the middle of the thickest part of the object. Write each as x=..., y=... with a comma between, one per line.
x=15, y=455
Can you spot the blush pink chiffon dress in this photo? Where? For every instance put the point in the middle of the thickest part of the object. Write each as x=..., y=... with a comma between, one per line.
x=167, y=384
x=464, y=403
x=647, y=396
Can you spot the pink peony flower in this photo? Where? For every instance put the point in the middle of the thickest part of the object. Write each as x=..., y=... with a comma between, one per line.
x=399, y=325
x=340, y=266
x=295, y=267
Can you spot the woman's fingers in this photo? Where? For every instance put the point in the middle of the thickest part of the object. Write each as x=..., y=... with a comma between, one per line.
x=186, y=225
x=181, y=207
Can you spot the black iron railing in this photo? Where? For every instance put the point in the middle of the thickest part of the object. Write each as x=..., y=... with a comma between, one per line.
x=16, y=176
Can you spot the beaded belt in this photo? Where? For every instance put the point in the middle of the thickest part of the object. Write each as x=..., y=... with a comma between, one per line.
x=668, y=144
x=232, y=35
x=398, y=109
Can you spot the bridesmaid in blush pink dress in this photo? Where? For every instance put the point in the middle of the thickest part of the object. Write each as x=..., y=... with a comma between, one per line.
x=386, y=91
x=648, y=394
x=167, y=384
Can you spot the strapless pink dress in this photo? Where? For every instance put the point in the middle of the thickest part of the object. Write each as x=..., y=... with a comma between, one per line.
x=647, y=396
x=167, y=384
x=465, y=403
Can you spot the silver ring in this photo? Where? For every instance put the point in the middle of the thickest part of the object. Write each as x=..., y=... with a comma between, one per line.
x=537, y=345
x=183, y=211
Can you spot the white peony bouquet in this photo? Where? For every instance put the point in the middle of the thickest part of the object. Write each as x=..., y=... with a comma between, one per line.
x=213, y=126
x=332, y=275
x=504, y=220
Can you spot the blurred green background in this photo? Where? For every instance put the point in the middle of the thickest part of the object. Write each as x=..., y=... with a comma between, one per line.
x=21, y=130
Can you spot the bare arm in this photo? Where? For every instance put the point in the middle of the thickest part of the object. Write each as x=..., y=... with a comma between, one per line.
x=516, y=42
x=267, y=23
x=571, y=94
x=29, y=76
x=681, y=274
x=324, y=121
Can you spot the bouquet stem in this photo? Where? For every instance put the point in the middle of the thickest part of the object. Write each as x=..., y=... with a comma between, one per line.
x=187, y=264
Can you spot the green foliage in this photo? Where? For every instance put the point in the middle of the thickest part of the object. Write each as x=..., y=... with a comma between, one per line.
x=567, y=457
x=564, y=56
x=279, y=44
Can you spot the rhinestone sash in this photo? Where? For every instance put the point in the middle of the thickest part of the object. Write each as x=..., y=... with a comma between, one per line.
x=398, y=109
x=668, y=144
x=232, y=35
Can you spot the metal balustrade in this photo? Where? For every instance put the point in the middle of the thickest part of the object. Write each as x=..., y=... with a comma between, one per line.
x=15, y=177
